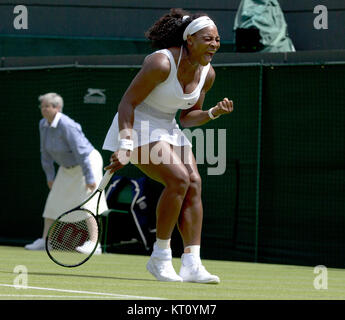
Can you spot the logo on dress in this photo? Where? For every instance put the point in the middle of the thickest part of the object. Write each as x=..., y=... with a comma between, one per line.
x=95, y=96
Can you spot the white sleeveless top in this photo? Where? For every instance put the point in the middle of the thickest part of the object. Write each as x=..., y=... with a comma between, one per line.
x=168, y=96
x=154, y=118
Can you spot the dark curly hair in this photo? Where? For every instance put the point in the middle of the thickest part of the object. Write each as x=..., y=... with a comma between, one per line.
x=168, y=30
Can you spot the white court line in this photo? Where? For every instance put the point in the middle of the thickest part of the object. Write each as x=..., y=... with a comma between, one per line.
x=121, y=296
x=52, y=296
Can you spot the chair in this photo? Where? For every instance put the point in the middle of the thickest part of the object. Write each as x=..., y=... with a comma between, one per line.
x=123, y=200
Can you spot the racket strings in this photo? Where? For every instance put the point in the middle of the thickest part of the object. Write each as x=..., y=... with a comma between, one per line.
x=73, y=238
x=67, y=236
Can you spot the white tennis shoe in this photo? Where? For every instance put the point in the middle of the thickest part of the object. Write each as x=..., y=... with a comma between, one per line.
x=38, y=244
x=160, y=265
x=87, y=248
x=192, y=270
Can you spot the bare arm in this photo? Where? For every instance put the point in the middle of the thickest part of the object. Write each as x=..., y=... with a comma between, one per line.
x=155, y=70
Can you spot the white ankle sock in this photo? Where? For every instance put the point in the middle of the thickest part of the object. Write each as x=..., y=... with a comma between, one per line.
x=192, y=257
x=163, y=244
x=194, y=249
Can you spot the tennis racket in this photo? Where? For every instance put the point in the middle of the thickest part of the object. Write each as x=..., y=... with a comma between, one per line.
x=74, y=236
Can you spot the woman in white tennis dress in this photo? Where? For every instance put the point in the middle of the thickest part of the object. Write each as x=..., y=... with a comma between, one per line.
x=145, y=132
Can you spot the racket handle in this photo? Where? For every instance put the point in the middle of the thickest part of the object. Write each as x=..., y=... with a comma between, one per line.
x=105, y=180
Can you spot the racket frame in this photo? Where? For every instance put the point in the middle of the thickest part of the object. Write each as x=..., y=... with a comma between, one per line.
x=104, y=182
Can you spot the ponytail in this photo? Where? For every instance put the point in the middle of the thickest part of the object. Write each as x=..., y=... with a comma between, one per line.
x=168, y=30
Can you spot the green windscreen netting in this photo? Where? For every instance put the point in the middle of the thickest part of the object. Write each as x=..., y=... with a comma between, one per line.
x=281, y=197
x=302, y=202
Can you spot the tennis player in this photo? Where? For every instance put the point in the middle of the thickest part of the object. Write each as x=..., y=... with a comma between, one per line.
x=80, y=166
x=177, y=76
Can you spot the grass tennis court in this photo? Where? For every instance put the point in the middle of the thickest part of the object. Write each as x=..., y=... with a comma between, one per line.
x=119, y=276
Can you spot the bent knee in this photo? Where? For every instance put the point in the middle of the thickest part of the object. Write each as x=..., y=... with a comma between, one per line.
x=179, y=183
x=195, y=182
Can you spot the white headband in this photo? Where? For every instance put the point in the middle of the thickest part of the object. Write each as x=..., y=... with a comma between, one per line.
x=196, y=25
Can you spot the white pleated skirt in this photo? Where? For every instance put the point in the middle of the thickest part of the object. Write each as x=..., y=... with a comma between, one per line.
x=150, y=125
x=69, y=189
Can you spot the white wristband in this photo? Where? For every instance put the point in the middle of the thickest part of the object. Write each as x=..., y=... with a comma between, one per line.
x=126, y=144
x=211, y=115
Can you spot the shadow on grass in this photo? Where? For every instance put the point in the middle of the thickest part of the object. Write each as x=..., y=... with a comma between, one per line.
x=50, y=274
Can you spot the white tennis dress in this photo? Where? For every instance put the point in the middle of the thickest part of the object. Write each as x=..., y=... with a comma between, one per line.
x=154, y=118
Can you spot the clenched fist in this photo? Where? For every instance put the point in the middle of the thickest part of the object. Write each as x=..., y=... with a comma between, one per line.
x=223, y=107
